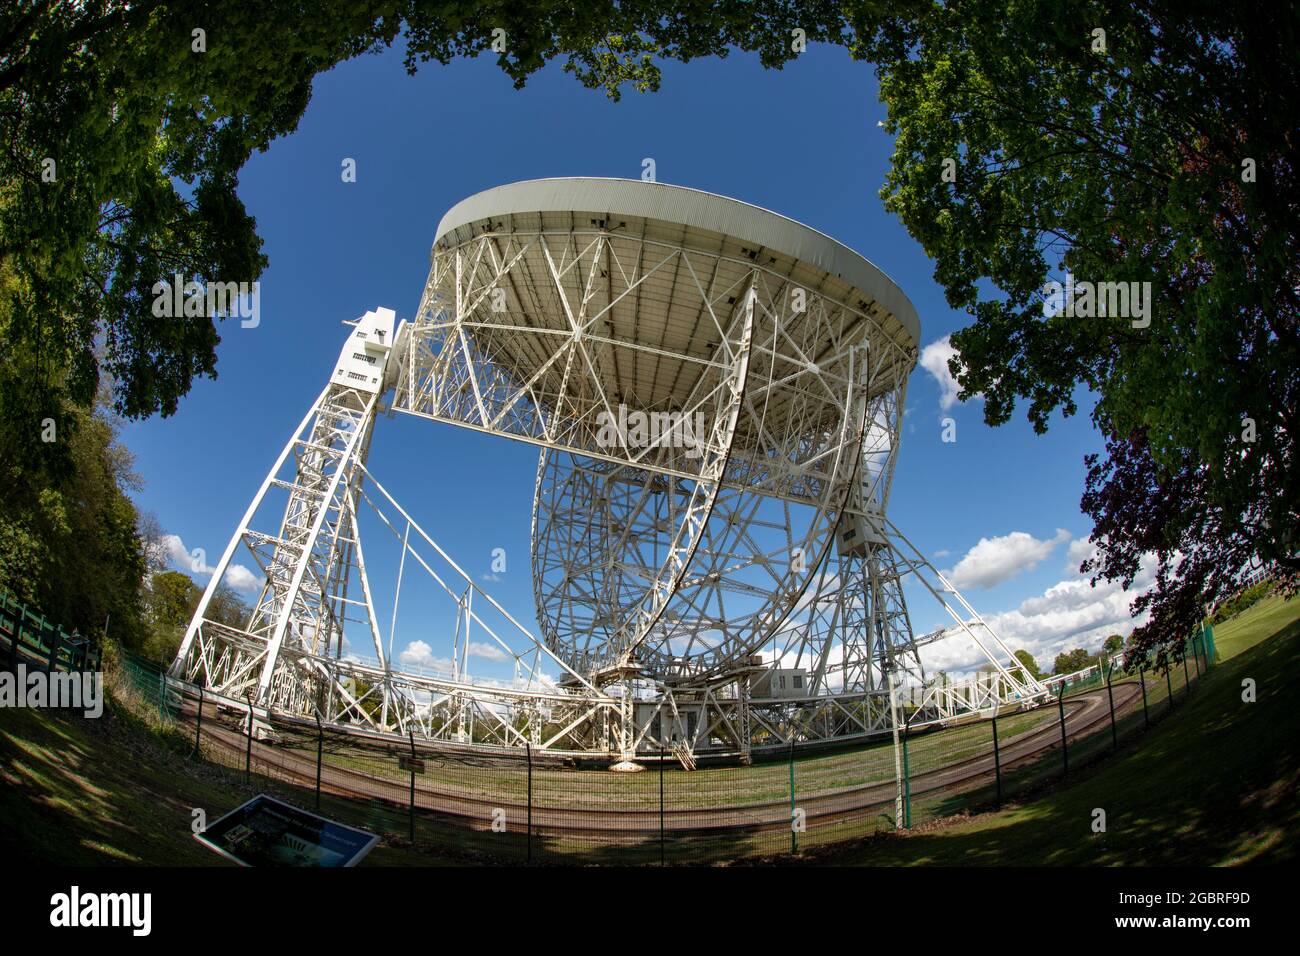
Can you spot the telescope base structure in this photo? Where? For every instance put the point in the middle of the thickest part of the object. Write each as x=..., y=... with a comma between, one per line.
x=689, y=724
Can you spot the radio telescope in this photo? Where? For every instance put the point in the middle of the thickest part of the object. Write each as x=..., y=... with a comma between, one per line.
x=716, y=393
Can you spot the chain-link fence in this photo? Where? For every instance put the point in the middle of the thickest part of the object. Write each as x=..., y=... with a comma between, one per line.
x=515, y=807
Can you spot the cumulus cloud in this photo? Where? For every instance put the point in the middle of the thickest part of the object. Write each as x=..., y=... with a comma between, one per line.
x=1080, y=550
x=1069, y=614
x=242, y=579
x=994, y=560
x=934, y=359
x=489, y=652
x=177, y=553
x=237, y=575
x=420, y=654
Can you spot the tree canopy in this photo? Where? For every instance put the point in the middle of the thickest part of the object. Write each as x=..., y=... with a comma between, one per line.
x=70, y=545
x=1067, y=662
x=1026, y=660
x=128, y=123
x=170, y=600
x=1148, y=143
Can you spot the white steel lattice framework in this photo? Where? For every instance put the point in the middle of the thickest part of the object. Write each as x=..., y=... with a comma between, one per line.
x=717, y=393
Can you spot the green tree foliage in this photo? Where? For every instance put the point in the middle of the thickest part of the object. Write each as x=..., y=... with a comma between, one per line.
x=1067, y=662
x=70, y=545
x=147, y=135
x=1026, y=660
x=1167, y=155
x=170, y=599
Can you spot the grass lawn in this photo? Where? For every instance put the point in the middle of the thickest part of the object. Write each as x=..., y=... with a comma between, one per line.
x=1254, y=624
x=1215, y=784
x=97, y=792
x=710, y=786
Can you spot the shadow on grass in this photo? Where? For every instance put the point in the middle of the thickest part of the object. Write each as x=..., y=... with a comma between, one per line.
x=79, y=791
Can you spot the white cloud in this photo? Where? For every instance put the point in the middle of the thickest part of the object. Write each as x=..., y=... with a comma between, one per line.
x=994, y=560
x=237, y=576
x=833, y=681
x=489, y=652
x=934, y=359
x=242, y=579
x=177, y=552
x=1079, y=551
x=943, y=553
x=421, y=654
x=1069, y=614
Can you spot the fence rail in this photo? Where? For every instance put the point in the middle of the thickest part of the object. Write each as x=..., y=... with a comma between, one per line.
x=465, y=803
x=27, y=637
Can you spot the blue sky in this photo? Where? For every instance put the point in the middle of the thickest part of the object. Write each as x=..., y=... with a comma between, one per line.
x=803, y=141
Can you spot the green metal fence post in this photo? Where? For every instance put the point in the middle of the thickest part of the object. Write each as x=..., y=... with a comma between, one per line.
x=411, y=819
x=907, y=775
x=24, y=630
x=662, y=848
x=37, y=621
x=248, y=754
x=1065, y=746
x=198, y=727
x=320, y=754
x=529, y=750
x=14, y=638
x=794, y=836
x=1110, y=696
x=1142, y=681
x=997, y=757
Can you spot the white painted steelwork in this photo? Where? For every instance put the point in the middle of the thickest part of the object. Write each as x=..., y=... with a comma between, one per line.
x=717, y=395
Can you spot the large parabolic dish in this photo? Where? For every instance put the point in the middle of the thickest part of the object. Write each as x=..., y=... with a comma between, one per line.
x=717, y=391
